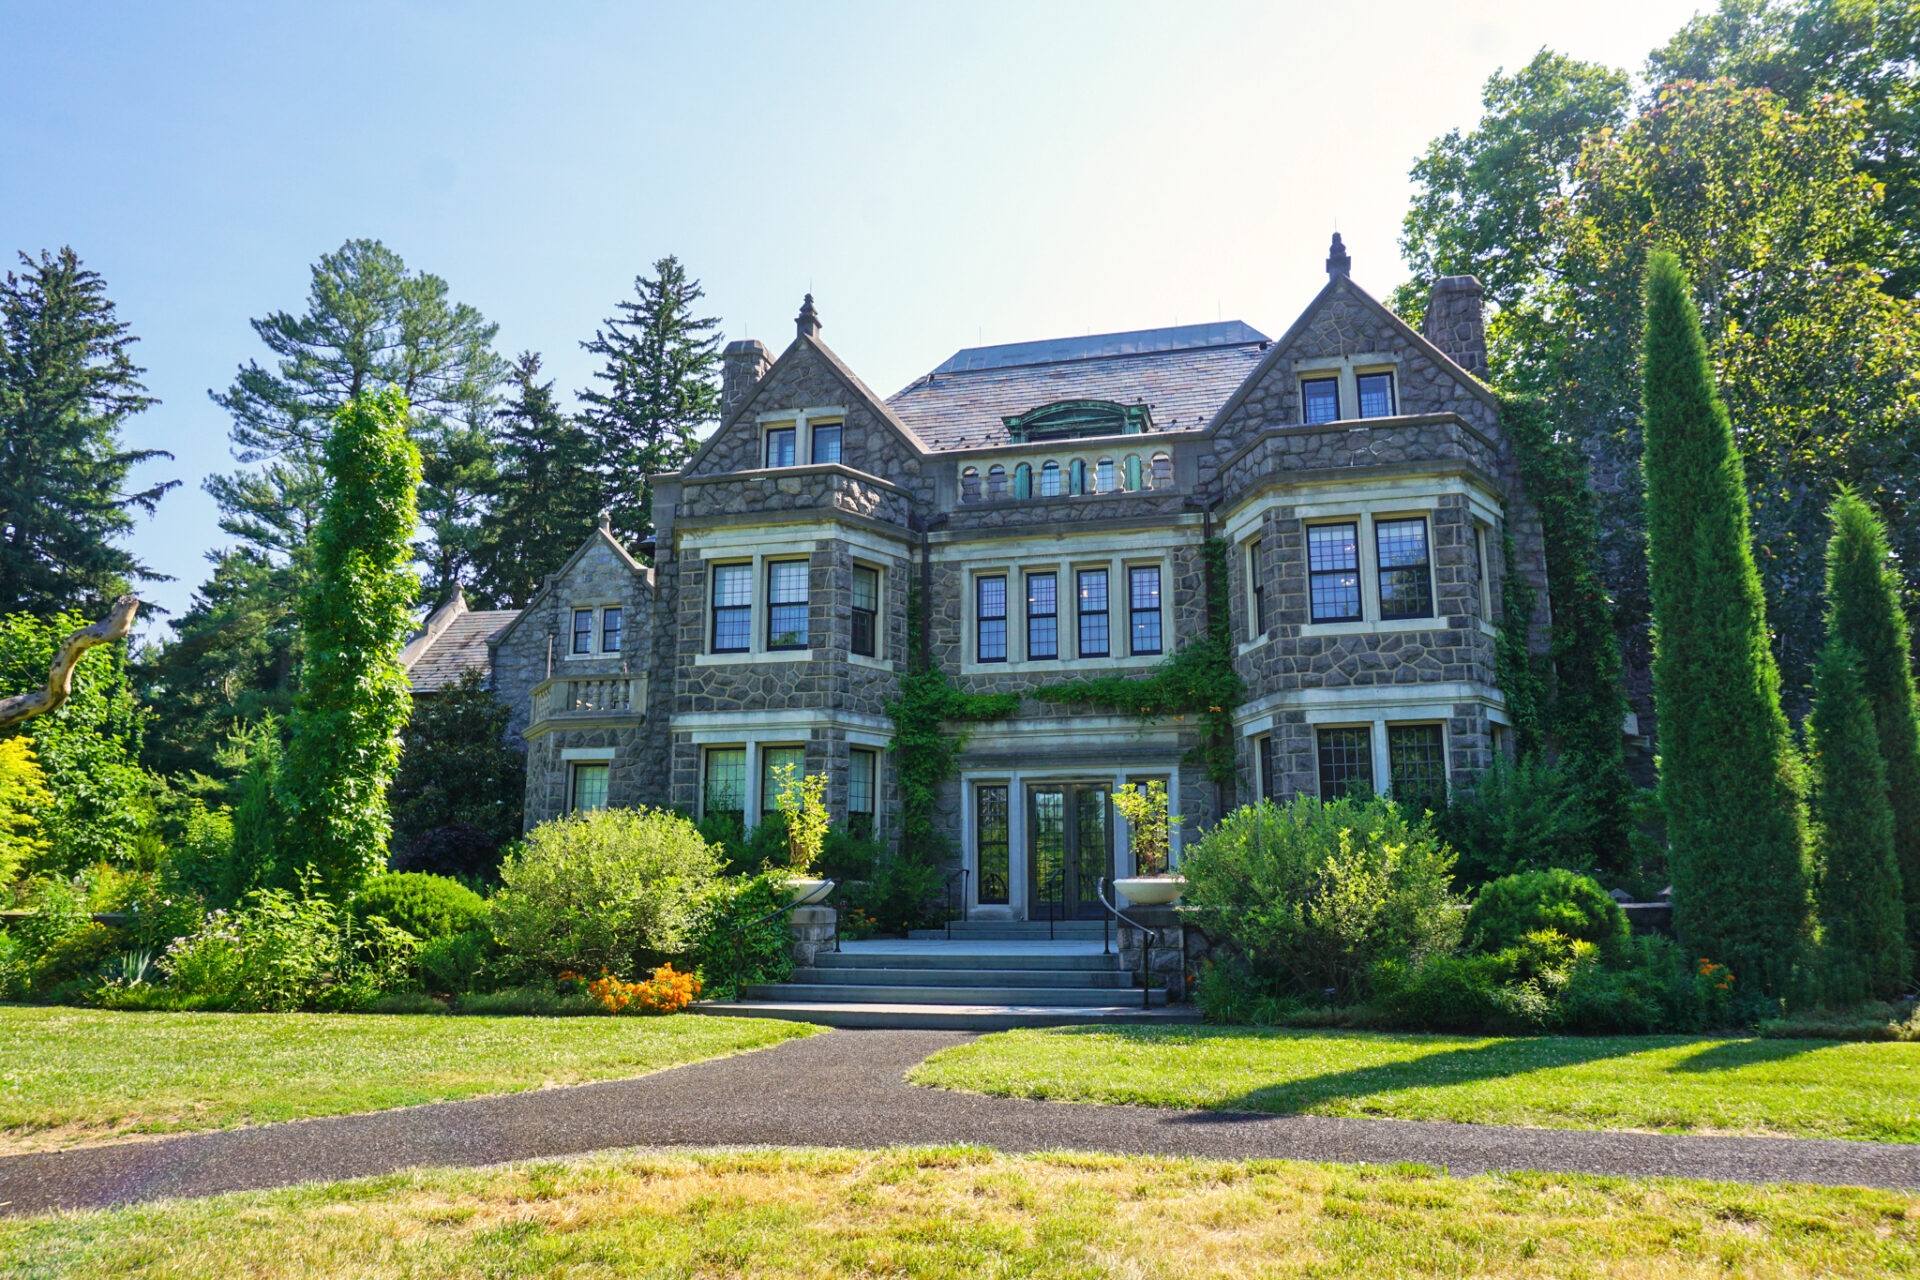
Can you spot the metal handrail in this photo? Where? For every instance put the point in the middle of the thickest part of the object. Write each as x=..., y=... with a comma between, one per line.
x=786, y=907
x=1146, y=948
x=964, y=873
x=1059, y=903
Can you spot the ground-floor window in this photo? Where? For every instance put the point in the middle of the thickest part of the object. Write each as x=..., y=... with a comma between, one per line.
x=1346, y=762
x=990, y=839
x=1417, y=765
x=587, y=787
x=772, y=759
x=724, y=789
x=862, y=775
x=1263, y=767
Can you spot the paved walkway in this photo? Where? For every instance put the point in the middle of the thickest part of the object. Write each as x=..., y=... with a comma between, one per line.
x=845, y=1089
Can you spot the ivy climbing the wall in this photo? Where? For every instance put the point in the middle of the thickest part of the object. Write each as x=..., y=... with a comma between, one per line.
x=1198, y=680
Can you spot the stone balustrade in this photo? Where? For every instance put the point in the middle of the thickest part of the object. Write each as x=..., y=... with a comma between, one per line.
x=585, y=697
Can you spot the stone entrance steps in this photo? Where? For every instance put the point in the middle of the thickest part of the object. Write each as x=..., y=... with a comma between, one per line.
x=972, y=983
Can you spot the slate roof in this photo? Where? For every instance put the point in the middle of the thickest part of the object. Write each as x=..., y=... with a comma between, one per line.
x=1183, y=374
x=453, y=642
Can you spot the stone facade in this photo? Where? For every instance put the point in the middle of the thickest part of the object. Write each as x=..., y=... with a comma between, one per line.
x=812, y=478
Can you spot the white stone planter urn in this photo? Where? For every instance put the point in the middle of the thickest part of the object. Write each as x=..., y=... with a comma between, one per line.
x=808, y=891
x=1151, y=891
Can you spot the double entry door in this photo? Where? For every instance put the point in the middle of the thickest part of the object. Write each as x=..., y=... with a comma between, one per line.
x=1069, y=849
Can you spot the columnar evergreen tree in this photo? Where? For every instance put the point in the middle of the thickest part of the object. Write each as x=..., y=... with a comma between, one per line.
x=660, y=365
x=353, y=697
x=1729, y=780
x=67, y=386
x=1864, y=614
x=546, y=494
x=1862, y=918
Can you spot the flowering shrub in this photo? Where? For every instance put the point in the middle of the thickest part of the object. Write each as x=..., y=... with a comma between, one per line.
x=665, y=992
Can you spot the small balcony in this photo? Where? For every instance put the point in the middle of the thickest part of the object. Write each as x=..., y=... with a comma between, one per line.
x=574, y=699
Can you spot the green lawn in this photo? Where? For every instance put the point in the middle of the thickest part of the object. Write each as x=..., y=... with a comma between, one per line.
x=968, y=1212
x=79, y=1075
x=1803, y=1088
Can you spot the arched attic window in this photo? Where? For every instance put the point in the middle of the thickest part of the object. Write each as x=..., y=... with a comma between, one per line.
x=1023, y=482
x=970, y=485
x=1049, y=479
x=996, y=483
x=1163, y=471
x=1103, y=471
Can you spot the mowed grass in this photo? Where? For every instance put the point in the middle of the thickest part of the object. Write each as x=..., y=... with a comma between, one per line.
x=69, y=1076
x=968, y=1212
x=1801, y=1088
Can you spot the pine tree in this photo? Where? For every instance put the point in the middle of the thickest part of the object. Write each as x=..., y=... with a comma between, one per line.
x=546, y=494
x=1862, y=918
x=353, y=697
x=1729, y=780
x=1863, y=613
x=67, y=387
x=660, y=363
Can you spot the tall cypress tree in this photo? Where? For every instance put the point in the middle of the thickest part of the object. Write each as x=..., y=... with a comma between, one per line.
x=1862, y=918
x=661, y=360
x=1863, y=613
x=546, y=493
x=1729, y=780
x=67, y=386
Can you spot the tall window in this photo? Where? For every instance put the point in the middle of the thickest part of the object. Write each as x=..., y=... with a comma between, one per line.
x=1263, y=766
x=1376, y=394
x=1406, y=584
x=1023, y=482
x=1417, y=765
x=780, y=447
x=786, y=604
x=990, y=619
x=610, y=622
x=990, y=838
x=1259, y=590
x=1043, y=616
x=1143, y=609
x=1094, y=642
x=826, y=442
x=1333, y=572
x=1049, y=479
x=1320, y=400
x=866, y=608
x=724, y=789
x=1486, y=571
x=589, y=788
x=1103, y=471
x=732, y=608
x=862, y=775
x=583, y=631
x=1346, y=762
x=771, y=759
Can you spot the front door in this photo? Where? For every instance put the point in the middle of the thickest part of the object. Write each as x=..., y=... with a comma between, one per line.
x=1069, y=850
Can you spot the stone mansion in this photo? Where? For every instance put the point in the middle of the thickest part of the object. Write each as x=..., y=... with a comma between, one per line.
x=1046, y=504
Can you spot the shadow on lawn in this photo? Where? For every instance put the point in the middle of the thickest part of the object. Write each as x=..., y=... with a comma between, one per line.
x=1731, y=1055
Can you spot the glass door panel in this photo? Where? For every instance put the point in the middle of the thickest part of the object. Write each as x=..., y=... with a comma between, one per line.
x=1048, y=852
x=1070, y=847
x=1093, y=850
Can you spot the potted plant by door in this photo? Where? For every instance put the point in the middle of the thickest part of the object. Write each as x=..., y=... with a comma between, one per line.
x=802, y=802
x=1149, y=831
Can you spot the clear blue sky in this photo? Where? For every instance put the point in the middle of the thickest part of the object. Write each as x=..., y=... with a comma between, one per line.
x=937, y=177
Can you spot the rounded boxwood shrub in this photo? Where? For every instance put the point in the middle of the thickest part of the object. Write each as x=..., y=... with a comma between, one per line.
x=425, y=906
x=1510, y=908
x=615, y=890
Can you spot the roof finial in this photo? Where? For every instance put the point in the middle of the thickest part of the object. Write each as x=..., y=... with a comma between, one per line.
x=1338, y=263
x=606, y=520
x=807, y=323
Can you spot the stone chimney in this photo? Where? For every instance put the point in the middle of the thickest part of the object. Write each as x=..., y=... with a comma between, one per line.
x=1338, y=263
x=1456, y=322
x=807, y=323
x=742, y=366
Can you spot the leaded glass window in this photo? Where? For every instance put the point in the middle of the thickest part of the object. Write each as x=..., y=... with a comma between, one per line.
x=1417, y=765
x=786, y=604
x=1346, y=762
x=862, y=781
x=724, y=789
x=589, y=787
x=772, y=760
x=610, y=623
x=990, y=619
x=1049, y=479
x=1043, y=616
x=1333, y=572
x=826, y=442
x=732, y=608
x=583, y=631
x=1320, y=400
x=1406, y=582
x=1376, y=394
x=1094, y=639
x=1143, y=606
x=990, y=842
x=866, y=609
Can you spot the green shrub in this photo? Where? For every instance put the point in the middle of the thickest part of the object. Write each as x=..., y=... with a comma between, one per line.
x=1315, y=895
x=280, y=952
x=1519, y=815
x=534, y=999
x=903, y=891
x=610, y=890
x=15, y=973
x=74, y=957
x=425, y=906
x=1574, y=905
x=453, y=963
x=736, y=945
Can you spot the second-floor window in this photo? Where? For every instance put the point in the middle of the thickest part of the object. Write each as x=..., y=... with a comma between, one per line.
x=826, y=442
x=1333, y=572
x=866, y=609
x=1376, y=394
x=1094, y=640
x=990, y=636
x=780, y=447
x=583, y=631
x=1406, y=582
x=732, y=608
x=1143, y=602
x=1320, y=400
x=1259, y=589
x=610, y=623
x=786, y=604
x=1043, y=616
